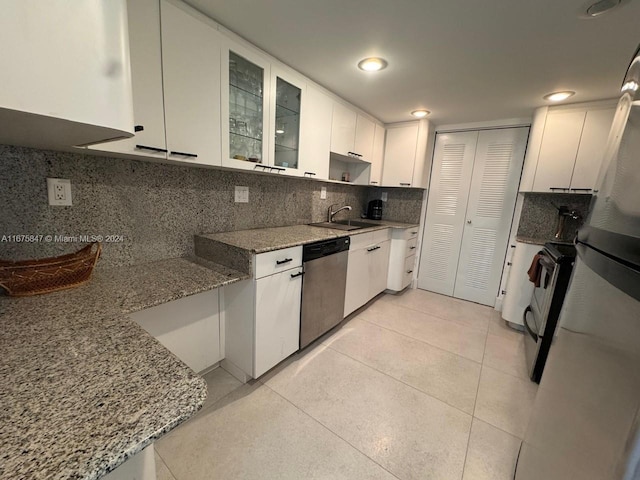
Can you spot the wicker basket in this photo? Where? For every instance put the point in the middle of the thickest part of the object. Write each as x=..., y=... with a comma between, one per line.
x=33, y=277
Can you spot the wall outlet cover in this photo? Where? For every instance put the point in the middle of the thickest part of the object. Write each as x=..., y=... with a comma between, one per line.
x=59, y=192
x=323, y=193
x=242, y=194
x=384, y=196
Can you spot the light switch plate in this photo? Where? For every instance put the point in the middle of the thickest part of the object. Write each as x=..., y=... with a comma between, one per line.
x=242, y=194
x=323, y=193
x=59, y=192
x=384, y=196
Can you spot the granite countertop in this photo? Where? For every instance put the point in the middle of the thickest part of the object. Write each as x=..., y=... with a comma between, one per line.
x=540, y=241
x=262, y=240
x=84, y=387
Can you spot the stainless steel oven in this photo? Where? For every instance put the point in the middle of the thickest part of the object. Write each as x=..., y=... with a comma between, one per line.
x=541, y=316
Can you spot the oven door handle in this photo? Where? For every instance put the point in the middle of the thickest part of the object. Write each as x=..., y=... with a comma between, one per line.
x=526, y=324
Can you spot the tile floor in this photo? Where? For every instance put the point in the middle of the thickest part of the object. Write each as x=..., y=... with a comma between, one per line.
x=413, y=386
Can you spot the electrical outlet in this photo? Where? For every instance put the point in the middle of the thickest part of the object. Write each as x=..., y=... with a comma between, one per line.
x=242, y=194
x=384, y=196
x=323, y=193
x=59, y=191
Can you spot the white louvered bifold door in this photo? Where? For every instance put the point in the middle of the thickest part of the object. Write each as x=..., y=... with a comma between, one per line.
x=446, y=208
x=494, y=187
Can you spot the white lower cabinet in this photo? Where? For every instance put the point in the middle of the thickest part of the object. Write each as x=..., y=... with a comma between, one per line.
x=188, y=327
x=402, y=258
x=367, y=268
x=519, y=289
x=262, y=316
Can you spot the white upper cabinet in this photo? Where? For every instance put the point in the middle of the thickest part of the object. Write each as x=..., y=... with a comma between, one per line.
x=191, y=73
x=66, y=77
x=365, y=132
x=351, y=133
x=405, y=155
x=377, y=156
x=315, y=141
x=343, y=129
x=146, y=78
x=566, y=147
x=246, y=82
x=286, y=104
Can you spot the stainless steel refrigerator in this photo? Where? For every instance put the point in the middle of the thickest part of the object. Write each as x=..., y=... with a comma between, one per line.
x=585, y=422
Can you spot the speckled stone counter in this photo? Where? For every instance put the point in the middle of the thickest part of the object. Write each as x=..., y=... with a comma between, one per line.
x=83, y=387
x=236, y=248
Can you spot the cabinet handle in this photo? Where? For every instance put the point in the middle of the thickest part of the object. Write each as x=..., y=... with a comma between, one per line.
x=508, y=264
x=558, y=188
x=469, y=222
x=412, y=248
x=512, y=246
x=409, y=271
x=373, y=183
x=299, y=274
x=309, y=173
x=282, y=262
x=373, y=248
x=354, y=154
x=138, y=128
x=405, y=184
x=277, y=169
x=183, y=154
x=504, y=292
x=581, y=189
x=153, y=149
x=413, y=233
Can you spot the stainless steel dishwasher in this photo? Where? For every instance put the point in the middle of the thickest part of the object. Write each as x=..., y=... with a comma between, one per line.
x=323, y=287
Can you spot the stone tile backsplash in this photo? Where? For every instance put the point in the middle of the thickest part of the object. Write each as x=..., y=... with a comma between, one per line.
x=157, y=208
x=539, y=218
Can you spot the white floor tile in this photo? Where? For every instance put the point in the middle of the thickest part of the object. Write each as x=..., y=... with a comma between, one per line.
x=492, y=453
x=439, y=373
x=507, y=355
x=411, y=434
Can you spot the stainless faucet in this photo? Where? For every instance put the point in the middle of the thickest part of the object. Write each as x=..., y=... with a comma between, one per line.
x=331, y=213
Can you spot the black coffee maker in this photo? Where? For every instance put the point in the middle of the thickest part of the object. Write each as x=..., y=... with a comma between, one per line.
x=374, y=211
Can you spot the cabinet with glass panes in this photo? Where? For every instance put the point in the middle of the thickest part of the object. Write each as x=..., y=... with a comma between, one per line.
x=246, y=104
x=287, y=126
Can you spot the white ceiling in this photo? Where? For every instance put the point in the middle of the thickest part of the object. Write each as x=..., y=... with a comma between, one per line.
x=465, y=60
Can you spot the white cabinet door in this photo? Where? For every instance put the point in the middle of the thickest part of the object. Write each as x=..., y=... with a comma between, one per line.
x=557, y=157
x=400, y=155
x=363, y=144
x=377, y=156
x=343, y=129
x=519, y=289
x=146, y=79
x=188, y=327
x=357, y=291
x=446, y=209
x=494, y=186
x=315, y=141
x=277, y=328
x=592, y=144
x=378, y=268
x=191, y=73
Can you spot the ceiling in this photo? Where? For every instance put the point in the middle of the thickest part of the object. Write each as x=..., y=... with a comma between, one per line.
x=464, y=60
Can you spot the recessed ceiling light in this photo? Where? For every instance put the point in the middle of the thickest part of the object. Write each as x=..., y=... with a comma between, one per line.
x=601, y=7
x=372, y=64
x=420, y=113
x=559, y=96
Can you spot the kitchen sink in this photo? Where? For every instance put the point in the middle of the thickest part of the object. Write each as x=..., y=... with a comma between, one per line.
x=346, y=225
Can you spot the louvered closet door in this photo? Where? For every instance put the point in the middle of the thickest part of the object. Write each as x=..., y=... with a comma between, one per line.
x=446, y=208
x=494, y=186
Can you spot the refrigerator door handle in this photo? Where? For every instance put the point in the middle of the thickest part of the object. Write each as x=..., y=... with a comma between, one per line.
x=526, y=325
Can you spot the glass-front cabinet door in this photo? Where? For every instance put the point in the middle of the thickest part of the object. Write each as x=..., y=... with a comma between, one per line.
x=286, y=107
x=245, y=110
x=287, y=128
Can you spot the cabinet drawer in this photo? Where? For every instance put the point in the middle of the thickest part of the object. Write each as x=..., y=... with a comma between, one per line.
x=361, y=240
x=278, y=261
x=411, y=247
x=381, y=235
x=405, y=233
x=409, y=264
